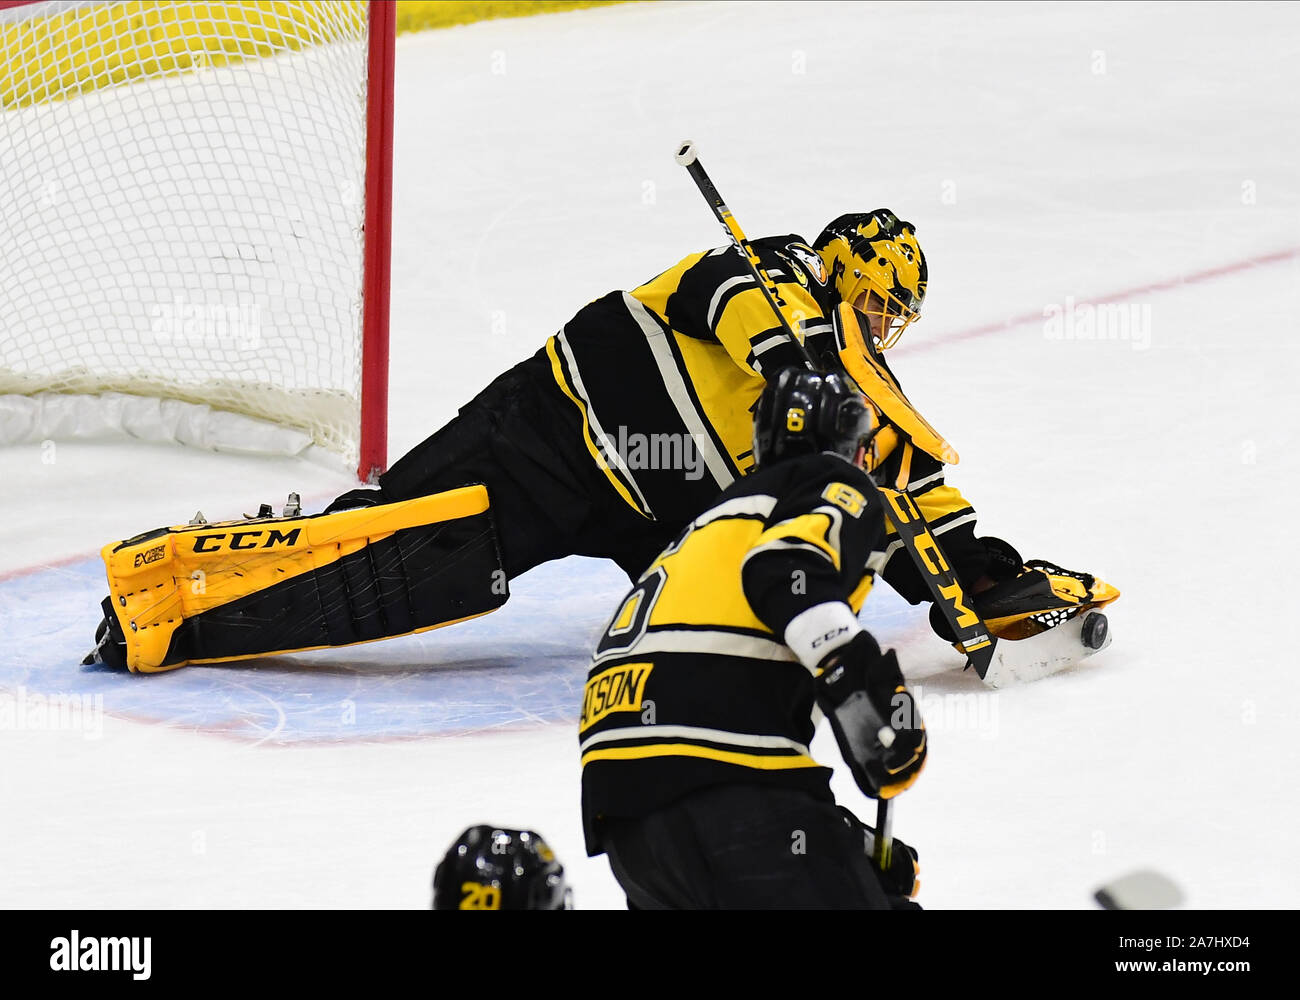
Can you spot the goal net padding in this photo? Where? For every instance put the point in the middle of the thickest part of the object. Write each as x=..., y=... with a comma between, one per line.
x=194, y=223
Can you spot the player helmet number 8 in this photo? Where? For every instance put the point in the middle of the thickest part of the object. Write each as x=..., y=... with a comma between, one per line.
x=802, y=413
x=878, y=268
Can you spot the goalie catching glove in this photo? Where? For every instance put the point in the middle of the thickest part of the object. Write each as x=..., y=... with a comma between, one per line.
x=1028, y=598
x=874, y=717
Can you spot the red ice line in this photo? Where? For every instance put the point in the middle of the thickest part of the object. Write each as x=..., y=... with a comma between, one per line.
x=916, y=347
x=1276, y=257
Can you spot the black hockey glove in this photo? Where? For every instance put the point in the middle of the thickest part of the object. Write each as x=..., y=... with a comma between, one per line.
x=874, y=717
x=901, y=879
x=1002, y=562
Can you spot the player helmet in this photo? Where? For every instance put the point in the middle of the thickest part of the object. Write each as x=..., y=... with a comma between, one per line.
x=802, y=413
x=489, y=868
x=878, y=268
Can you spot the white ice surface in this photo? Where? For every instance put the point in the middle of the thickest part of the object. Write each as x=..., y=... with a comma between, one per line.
x=534, y=172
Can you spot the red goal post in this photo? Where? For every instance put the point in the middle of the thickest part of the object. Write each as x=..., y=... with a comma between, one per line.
x=195, y=225
x=373, y=457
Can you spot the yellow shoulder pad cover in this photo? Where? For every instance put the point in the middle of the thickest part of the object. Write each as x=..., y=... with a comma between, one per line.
x=877, y=385
x=159, y=579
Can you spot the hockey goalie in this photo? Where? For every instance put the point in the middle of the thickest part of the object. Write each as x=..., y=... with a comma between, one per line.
x=538, y=466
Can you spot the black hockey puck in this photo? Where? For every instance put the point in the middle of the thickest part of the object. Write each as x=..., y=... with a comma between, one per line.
x=1094, y=631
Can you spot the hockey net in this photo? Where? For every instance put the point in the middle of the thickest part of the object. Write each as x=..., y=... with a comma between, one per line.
x=188, y=189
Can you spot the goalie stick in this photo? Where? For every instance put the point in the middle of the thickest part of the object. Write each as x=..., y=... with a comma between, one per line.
x=688, y=157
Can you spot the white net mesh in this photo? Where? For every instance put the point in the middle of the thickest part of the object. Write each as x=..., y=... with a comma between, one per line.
x=182, y=207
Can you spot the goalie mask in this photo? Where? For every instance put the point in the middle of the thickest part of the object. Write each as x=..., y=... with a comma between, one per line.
x=878, y=268
x=489, y=868
x=802, y=413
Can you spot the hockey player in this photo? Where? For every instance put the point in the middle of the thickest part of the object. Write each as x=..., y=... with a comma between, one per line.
x=623, y=427
x=492, y=868
x=697, y=714
x=637, y=413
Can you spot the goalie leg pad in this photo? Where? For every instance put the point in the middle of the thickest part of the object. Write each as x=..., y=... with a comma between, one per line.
x=238, y=589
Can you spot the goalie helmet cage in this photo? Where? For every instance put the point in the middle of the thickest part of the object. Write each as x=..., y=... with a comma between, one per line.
x=194, y=223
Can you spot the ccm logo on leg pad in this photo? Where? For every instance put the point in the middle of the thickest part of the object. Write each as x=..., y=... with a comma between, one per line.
x=247, y=540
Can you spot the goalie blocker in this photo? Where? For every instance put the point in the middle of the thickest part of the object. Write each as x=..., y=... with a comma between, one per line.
x=231, y=590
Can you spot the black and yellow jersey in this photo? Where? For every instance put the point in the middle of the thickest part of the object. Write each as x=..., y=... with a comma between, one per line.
x=666, y=376
x=665, y=379
x=704, y=675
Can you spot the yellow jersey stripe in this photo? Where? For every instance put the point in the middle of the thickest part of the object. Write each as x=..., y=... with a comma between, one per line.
x=813, y=529
x=694, y=735
x=675, y=381
x=759, y=762
x=597, y=454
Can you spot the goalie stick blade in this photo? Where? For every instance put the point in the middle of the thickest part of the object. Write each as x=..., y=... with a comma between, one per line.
x=1022, y=660
x=1140, y=890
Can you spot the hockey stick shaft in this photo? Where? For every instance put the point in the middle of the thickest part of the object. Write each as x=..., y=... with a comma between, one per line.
x=883, y=845
x=689, y=158
x=949, y=595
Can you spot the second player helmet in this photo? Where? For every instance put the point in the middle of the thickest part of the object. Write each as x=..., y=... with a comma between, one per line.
x=876, y=252
x=801, y=413
x=490, y=868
